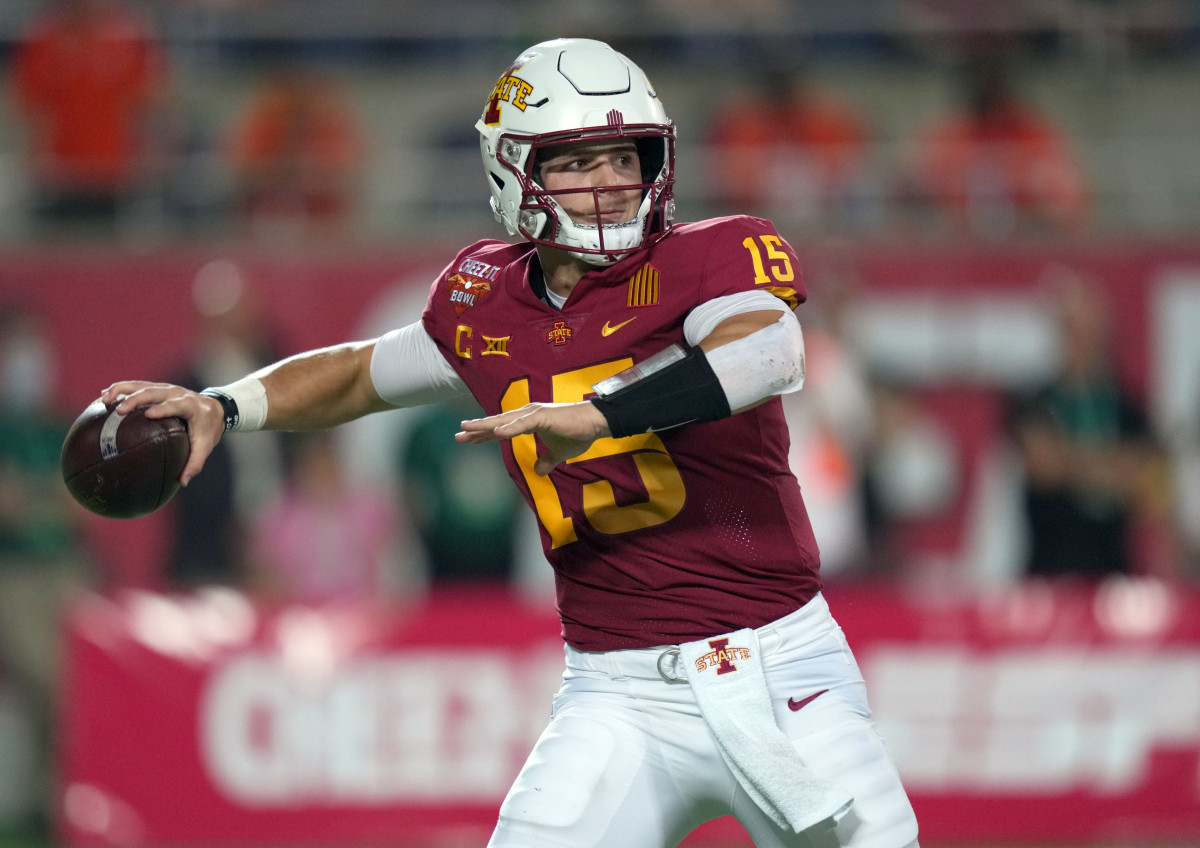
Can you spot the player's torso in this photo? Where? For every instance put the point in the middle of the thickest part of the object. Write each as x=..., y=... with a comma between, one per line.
x=683, y=518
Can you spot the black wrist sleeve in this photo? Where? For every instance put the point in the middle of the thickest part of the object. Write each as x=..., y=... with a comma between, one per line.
x=672, y=388
x=228, y=406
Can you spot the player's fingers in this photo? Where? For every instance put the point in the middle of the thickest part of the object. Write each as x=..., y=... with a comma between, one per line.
x=495, y=427
x=477, y=438
x=201, y=446
x=490, y=422
x=128, y=396
x=124, y=388
x=174, y=402
x=162, y=400
x=204, y=431
x=520, y=425
x=546, y=463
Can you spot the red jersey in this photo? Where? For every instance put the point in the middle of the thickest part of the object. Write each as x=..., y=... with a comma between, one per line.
x=657, y=538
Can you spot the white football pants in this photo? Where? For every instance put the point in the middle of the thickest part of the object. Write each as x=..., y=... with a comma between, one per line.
x=627, y=760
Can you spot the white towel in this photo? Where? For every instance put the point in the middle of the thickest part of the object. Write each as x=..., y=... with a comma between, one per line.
x=726, y=674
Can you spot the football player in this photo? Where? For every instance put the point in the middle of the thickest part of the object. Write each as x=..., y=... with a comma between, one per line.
x=632, y=368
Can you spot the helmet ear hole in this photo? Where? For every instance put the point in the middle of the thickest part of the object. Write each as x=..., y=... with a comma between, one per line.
x=652, y=155
x=497, y=180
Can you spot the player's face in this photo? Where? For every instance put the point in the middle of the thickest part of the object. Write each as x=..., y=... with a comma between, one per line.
x=582, y=166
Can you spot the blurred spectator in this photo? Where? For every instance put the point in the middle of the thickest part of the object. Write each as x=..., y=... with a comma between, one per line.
x=459, y=501
x=1087, y=454
x=912, y=478
x=874, y=461
x=785, y=149
x=995, y=166
x=326, y=539
x=209, y=542
x=1185, y=503
x=41, y=557
x=296, y=151
x=87, y=80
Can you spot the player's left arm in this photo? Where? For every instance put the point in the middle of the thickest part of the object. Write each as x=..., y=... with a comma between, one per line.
x=750, y=351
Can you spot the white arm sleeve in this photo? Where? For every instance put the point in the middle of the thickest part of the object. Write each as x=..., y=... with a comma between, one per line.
x=408, y=370
x=763, y=364
x=704, y=318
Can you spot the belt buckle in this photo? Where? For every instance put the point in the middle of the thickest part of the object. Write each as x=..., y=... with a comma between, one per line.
x=669, y=666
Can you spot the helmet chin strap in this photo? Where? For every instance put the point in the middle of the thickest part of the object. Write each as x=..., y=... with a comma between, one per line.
x=620, y=238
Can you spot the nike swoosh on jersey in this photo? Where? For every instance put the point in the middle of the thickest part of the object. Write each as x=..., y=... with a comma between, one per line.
x=796, y=706
x=607, y=330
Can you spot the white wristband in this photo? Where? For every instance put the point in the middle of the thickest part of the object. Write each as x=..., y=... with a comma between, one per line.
x=250, y=395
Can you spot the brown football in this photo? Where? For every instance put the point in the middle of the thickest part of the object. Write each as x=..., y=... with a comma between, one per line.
x=123, y=466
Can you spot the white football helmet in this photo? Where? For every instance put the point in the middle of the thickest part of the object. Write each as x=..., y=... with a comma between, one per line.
x=566, y=90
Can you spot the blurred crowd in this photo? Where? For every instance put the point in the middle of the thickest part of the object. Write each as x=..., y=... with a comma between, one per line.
x=1093, y=491
x=108, y=138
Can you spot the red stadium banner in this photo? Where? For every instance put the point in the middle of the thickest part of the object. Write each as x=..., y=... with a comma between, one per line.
x=1036, y=716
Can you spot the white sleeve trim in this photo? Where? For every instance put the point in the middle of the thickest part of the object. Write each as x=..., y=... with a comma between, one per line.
x=704, y=318
x=408, y=370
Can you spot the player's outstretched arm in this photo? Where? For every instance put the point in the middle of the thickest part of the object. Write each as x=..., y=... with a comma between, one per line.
x=310, y=391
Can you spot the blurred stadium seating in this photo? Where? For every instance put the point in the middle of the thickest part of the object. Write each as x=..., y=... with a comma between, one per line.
x=1119, y=78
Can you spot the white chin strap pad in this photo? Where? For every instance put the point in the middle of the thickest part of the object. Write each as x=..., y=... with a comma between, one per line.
x=618, y=238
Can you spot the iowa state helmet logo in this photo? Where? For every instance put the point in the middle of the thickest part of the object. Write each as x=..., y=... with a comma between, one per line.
x=508, y=89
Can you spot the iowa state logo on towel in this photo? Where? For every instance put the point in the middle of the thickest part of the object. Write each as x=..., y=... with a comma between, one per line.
x=721, y=656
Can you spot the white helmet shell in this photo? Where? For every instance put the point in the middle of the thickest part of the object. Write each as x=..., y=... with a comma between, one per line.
x=573, y=89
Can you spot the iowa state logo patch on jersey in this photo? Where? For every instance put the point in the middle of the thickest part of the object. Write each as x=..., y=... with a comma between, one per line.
x=559, y=331
x=471, y=283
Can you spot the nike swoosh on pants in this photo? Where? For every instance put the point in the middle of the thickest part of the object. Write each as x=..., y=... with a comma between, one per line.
x=795, y=705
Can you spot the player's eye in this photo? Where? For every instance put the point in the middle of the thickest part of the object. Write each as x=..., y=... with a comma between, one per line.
x=566, y=163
